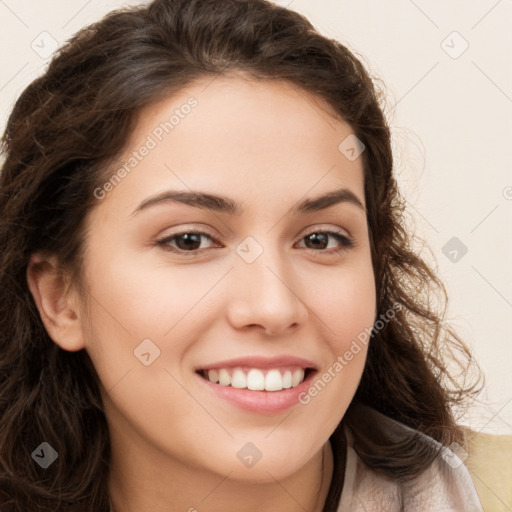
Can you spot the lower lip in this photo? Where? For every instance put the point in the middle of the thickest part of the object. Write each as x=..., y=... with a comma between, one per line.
x=262, y=402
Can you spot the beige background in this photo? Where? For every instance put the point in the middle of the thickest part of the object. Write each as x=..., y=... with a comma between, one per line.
x=450, y=108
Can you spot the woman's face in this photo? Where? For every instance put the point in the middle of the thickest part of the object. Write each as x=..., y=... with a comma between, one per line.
x=252, y=280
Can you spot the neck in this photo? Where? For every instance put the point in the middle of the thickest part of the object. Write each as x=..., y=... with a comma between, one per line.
x=138, y=481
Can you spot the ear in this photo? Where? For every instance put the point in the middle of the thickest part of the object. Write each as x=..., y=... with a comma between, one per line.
x=56, y=301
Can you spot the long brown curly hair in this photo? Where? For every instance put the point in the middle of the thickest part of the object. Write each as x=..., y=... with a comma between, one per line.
x=64, y=130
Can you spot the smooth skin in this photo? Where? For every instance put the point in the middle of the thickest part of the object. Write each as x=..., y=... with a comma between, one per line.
x=266, y=145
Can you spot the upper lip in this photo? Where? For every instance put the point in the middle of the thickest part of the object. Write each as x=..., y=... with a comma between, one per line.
x=260, y=362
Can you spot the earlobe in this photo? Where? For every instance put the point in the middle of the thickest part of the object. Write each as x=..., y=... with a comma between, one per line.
x=55, y=301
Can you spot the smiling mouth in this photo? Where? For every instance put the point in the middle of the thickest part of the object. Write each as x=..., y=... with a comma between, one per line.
x=257, y=379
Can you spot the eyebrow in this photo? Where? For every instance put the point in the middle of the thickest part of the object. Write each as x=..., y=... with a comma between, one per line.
x=223, y=204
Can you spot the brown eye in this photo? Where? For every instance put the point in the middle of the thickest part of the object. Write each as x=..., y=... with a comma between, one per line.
x=187, y=242
x=319, y=240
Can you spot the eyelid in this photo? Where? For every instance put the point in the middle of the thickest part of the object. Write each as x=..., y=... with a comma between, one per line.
x=342, y=236
x=309, y=230
x=323, y=227
x=183, y=229
x=203, y=230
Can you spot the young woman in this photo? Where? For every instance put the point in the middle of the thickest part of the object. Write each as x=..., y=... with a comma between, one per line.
x=208, y=298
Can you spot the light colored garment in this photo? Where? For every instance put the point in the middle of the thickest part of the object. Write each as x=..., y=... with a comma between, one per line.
x=489, y=462
x=445, y=486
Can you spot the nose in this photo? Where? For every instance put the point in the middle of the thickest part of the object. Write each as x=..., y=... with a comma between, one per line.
x=265, y=295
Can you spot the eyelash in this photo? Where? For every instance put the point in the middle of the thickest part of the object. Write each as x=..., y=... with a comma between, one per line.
x=346, y=242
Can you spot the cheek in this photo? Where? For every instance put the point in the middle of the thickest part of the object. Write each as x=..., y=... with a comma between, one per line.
x=132, y=302
x=347, y=315
x=346, y=307
x=142, y=394
x=145, y=300
x=345, y=301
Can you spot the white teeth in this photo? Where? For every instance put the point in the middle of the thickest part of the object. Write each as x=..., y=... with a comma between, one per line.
x=273, y=381
x=224, y=378
x=287, y=379
x=256, y=380
x=297, y=377
x=239, y=380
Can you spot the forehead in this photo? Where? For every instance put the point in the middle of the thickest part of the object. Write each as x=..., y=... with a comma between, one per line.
x=233, y=133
